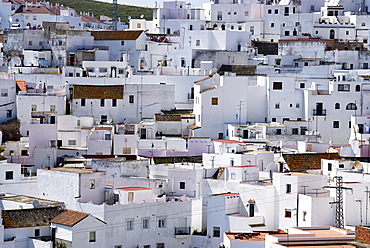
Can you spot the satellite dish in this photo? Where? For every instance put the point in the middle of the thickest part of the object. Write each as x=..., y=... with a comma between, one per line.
x=358, y=166
x=35, y=203
x=129, y=17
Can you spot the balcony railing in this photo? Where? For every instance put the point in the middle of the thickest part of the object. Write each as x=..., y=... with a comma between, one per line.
x=319, y=112
x=182, y=230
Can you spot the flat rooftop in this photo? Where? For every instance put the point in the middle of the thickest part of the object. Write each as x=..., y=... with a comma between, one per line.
x=28, y=199
x=72, y=170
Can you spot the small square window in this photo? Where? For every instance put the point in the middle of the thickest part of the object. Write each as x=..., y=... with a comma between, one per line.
x=214, y=101
x=216, y=232
x=145, y=223
x=129, y=225
x=9, y=175
x=92, y=236
x=335, y=124
x=122, y=42
x=288, y=188
x=71, y=142
x=162, y=222
x=288, y=213
x=52, y=108
x=277, y=105
x=182, y=185
x=272, y=24
x=269, y=11
x=277, y=85
x=295, y=130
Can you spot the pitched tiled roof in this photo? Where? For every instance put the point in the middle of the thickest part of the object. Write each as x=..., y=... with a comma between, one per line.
x=307, y=161
x=37, y=10
x=87, y=18
x=116, y=35
x=69, y=218
x=30, y=217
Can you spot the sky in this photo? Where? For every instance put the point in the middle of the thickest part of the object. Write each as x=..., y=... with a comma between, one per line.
x=151, y=3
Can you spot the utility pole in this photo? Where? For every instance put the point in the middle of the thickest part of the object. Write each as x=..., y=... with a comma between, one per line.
x=366, y=203
x=339, y=219
x=115, y=19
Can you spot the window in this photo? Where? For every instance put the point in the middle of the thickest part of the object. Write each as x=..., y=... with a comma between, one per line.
x=304, y=215
x=24, y=152
x=343, y=87
x=182, y=185
x=349, y=124
x=92, y=236
x=358, y=88
x=335, y=124
x=71, y=142
x=219, y=16
x=114, y=102
x=232, y=176
x=52, y=107
x=288, y=213
x=312, y=8
x=277, y=105
x=9, y=175
x=122, y=42
x=33, y=107
x=341, y=166
x=276, y=11
x=286, y=33
x=337, y=105
x=37, y=232
x=162, y=222
x=197, y=42
x=246, y=13
x=351, y=106
x=277, y=85
x=145, y=223
x=269, y=11
x=138, y=25
x=251, y=30
x=9, y=114
x=297, y=24
x=330, y=167
x=216, y=231
x=297, y=105
x=60, y=42
x=160, y=245
x=107, y=136
x=273, y=119
x=129, y=225
x=130, y=197
x=214, y=101
x=92, y=183
x=288, y=188
x=286, y=11
x=278, y=131
x=131, y=98
x=4, y=92
x=146, y=246
x=83, y=102
x=272, y=24
x=347, y=32
x=294, y=130
x=103, y=118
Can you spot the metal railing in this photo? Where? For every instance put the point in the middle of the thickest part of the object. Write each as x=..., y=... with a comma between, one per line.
x=319, y=112
x=182, y=230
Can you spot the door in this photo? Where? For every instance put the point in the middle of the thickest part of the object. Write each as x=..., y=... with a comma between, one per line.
x=245, y=134
x=143, y=133
x=319, y=108
x=332, y=34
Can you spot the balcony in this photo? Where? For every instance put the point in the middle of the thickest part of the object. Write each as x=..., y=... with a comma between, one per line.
x=182, y=232
x=319, y=112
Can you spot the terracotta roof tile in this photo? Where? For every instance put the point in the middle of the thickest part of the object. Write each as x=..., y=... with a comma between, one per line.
x=19, y=218
x=116, y=35
x=69, y=218
x=307, y=161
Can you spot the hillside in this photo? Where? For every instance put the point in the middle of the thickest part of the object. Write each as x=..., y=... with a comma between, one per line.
x=101, y=8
